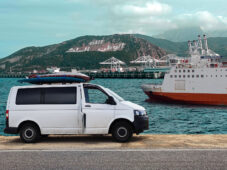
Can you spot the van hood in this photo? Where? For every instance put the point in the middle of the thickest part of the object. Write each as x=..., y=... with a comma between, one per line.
x=132, y=105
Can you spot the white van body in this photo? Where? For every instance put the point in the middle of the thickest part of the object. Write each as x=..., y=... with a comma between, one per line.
x=85, y=113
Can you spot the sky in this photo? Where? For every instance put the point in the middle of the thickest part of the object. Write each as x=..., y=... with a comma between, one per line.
x=43, y=22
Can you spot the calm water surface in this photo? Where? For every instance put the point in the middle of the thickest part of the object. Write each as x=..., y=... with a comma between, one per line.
x=164, y=118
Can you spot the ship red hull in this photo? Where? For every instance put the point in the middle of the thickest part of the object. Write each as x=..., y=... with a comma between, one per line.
x=189, y=98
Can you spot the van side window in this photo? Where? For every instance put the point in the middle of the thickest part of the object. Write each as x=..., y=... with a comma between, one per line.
x=28, y=96
x=60, y=95
x=94, y=95
x=53, y=95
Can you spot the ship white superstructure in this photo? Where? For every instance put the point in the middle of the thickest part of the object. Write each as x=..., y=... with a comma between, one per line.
x=200, y=78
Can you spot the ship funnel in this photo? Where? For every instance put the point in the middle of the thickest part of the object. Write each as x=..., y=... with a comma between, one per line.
x=190, y=46
x=205, y=43
x=200, y=42
x=195, y=43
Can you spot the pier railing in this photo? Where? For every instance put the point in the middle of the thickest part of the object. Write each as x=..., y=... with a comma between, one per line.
x=126, y=75
x=122, y=75
x=12, y=75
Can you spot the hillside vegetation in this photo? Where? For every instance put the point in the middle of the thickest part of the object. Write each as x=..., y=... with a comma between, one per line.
x=131, y=47
x=30, y=58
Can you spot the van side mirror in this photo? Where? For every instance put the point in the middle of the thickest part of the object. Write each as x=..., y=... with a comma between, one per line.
x=110, y=101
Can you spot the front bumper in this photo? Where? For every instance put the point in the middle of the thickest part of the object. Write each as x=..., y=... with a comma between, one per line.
x=11, y=130
x=140, y=123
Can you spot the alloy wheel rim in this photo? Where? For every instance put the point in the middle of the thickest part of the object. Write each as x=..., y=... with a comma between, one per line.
x=28, y=133
x=122, y=132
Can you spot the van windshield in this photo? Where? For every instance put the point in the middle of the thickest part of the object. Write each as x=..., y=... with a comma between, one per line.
x=114, y=95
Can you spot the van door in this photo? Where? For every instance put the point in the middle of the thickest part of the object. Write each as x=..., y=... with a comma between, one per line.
x=63, y=110
x=97, y=112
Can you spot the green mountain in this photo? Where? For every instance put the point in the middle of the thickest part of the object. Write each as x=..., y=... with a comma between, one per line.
x=217, y=44
x=87, y=52
x=189, y=33
x=178, y=48
x=181, y=34
x=82, y=53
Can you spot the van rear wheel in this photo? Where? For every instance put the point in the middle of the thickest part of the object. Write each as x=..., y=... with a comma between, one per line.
x=122, y=131
x=29, y=133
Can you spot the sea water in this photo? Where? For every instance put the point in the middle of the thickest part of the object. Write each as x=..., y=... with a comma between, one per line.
x=163, y=118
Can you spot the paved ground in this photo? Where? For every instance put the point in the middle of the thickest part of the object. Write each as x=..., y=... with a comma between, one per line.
x=110, y=159
x=101, y=152
x=106, y=142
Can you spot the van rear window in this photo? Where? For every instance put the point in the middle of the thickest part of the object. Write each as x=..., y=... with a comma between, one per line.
x=53, y=95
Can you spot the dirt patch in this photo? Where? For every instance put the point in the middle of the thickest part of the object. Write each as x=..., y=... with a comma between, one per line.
x=68, y=142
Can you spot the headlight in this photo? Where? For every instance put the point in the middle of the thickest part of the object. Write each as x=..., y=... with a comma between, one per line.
x=139, y=112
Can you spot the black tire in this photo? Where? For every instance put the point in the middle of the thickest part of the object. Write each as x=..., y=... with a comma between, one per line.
x=122, y=131
x=44, y=136
x=29, y=133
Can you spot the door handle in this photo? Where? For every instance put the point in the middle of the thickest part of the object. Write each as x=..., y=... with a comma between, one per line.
x=84, y=120
x=87, y=105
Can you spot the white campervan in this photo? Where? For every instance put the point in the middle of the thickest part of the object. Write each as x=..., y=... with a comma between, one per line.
x=39, y=110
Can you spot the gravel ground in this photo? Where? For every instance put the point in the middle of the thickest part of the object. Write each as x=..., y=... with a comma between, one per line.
x=68, y=142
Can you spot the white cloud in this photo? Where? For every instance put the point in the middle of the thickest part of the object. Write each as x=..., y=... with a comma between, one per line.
x=145, y=16
x=140, y=16
x=203, y=19
x=147, y=9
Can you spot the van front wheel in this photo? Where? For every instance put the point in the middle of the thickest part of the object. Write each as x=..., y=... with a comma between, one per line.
x=122, y=132
x=29, y=133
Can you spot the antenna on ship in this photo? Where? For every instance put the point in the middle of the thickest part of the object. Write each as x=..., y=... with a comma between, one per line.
x=206, y=44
